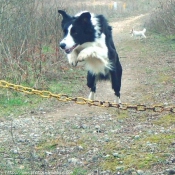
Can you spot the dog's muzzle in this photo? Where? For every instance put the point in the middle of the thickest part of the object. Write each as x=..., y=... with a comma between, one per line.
x=63, y=46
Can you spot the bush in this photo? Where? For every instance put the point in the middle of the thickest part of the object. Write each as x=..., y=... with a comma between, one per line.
x=163, y=17
x=30, y=31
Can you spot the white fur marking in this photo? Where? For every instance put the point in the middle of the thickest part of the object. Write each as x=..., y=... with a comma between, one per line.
x=68, y=40
x=117, y=100
x=72, y=58
x=96, y=25
x=95, y=55
x=91, y=96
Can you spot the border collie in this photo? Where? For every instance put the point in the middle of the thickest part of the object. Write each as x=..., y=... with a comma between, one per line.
x=138, y=33
x=88, y=38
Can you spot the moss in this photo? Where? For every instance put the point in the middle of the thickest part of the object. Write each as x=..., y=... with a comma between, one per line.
x=161, y=138
x=167, y=120
x=142, y=160
x=83, y=143
x=110, y=164
x=164, y=78
x=147, y=97
x=79, y=171
x=122, y=115
x=112, y=146
x=48, y=145
x=138, y=160
x=136, y=154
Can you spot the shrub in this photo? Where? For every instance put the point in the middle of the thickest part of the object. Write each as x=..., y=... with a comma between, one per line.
x=163, y=17
x=30, y=31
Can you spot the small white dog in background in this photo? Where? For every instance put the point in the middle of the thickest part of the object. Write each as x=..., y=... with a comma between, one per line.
x=135, y=33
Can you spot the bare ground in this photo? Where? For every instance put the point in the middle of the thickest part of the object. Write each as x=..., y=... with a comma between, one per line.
x=77, y=139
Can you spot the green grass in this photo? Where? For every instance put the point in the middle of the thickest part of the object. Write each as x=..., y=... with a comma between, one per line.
x=149, y=70
x=47, y=49
x=166, y=42
x=63, y=87
x=69, y=83
x=164, y=78
x=47, y=144
x=166, y=121
x=137, y=154
x=79, y=171
x=19, y=171
x=139, y=160
x=14, y=102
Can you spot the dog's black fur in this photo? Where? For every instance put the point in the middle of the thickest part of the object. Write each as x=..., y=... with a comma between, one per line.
x=84, y=31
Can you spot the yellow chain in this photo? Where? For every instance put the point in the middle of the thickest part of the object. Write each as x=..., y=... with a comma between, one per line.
x=82, y=101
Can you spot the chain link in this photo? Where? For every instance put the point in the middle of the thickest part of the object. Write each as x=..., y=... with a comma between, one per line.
x=83, y=101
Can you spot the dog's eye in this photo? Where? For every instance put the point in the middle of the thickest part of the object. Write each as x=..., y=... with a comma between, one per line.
x=73, y=31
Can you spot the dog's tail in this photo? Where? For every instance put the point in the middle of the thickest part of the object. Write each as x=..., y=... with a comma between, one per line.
x=144, y=30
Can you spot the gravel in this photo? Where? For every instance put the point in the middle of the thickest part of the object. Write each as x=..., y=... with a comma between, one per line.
x=69, y=147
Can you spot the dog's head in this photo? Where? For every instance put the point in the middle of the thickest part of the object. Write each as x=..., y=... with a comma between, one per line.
x=77, y=30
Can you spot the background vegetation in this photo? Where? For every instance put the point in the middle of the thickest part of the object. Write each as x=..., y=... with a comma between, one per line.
x=30, y=32
x=163, y=17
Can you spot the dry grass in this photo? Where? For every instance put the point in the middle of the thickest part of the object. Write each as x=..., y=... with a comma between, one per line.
x=162, y=18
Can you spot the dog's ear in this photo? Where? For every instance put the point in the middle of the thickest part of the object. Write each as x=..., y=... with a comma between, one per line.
x=85, y=17
x=64, y=15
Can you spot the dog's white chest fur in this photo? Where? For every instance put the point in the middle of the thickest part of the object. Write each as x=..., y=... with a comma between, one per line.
x=94, y=54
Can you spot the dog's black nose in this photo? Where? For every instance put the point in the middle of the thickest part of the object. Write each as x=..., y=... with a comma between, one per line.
x=63, y=45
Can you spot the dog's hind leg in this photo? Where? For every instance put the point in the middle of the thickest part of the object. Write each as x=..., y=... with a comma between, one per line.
x=91, y=83
x=116, y=82
x=144, y=35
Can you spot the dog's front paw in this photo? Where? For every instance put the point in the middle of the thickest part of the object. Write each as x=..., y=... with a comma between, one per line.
x=117, y=100
x=73, y=62
x=82, y=56
x=72, y=58
x=91, y=96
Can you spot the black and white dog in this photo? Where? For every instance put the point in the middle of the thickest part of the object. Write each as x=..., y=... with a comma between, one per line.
x=88, y=38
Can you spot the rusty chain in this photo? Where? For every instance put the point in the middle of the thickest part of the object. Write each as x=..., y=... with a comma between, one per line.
x=82, y=101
